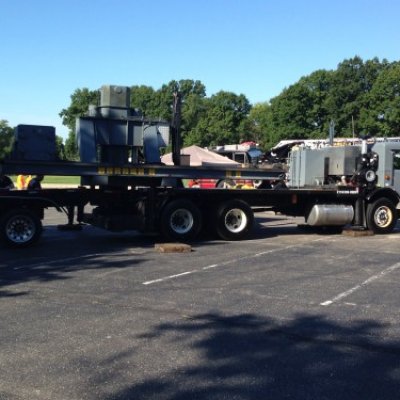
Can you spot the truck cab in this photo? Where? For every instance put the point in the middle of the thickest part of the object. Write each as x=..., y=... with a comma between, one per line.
x=247, y=153
x=388, y=172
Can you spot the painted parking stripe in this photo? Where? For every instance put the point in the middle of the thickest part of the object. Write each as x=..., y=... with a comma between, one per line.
x=169, y=277
x=361, y=285
x=224, y=263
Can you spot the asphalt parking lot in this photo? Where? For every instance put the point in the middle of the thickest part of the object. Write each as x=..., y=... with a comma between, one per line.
x=288, y=314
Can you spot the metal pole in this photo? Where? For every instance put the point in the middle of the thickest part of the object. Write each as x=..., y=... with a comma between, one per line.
x=176, y=134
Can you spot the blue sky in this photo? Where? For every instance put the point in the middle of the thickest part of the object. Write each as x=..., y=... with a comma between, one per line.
x=49, y=48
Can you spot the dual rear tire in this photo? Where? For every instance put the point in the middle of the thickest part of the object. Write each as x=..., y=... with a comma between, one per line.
x=182, y=219
x=234, y=220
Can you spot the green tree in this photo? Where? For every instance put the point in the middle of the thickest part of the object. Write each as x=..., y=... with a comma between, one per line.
x=381, y=115
x=301, y=111
x=6, y=139
x=193, y=103
x=144, y=98
x=222, y=121
x=352, y=81
x=60, y=148
x=71, y=148
x=193, y=109
x=305, y=109
x=363, y=92
x=165, y=94
x=80, y=101
x=259, y=125
x=158, y=104
x=189, y=90
x=319, y=84
x=291, y=113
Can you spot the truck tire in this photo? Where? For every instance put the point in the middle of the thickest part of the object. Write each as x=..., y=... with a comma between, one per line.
x=20, y=228
x=234, y=220
x=180, y=220
x=381, y=216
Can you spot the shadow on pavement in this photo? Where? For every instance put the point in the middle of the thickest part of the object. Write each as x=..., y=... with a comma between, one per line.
x=248, y=357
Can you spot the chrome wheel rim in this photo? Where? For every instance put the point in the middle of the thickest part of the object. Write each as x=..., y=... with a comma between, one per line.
x=181, y=221
x=235, y=220
x=20, y=229
x=383, y=217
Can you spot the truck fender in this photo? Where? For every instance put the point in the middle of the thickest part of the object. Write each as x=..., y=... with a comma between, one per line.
x=386, y=193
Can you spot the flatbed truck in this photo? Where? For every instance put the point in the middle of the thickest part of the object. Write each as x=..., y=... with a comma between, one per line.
x=125, y=187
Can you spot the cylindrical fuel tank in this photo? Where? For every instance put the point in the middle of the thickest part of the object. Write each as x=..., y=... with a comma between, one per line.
x=330, y=214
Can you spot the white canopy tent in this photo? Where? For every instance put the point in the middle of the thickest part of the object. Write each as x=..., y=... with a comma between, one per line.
x=201, y=157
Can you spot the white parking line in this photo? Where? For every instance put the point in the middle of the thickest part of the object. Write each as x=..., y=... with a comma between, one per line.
x=210, y=266
x=357, y=287
x=169, y=277
x=224, y=263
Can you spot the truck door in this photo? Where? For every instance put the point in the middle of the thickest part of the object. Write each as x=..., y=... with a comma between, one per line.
x=396, y=170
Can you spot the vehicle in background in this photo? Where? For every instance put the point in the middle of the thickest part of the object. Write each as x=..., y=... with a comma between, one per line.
x=247, y=154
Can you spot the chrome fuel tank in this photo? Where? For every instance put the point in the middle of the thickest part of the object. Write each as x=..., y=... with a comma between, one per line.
x=330, y=214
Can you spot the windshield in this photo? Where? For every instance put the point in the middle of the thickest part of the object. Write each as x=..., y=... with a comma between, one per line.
x=254, y=155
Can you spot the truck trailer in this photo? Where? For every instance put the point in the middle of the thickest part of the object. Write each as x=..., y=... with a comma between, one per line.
x=124, y=186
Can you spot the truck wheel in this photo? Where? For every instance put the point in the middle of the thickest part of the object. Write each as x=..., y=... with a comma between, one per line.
x=20, y=228
x=180, y=220
x=234, y=220
x=381, y=216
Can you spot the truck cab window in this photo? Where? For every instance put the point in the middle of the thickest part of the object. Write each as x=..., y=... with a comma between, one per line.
x=396, y=160
x=240, y=158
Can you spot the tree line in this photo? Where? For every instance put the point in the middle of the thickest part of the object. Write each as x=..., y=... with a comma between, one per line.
x=361, y=97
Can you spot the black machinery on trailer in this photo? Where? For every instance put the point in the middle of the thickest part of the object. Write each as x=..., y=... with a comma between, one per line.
x=127, y=187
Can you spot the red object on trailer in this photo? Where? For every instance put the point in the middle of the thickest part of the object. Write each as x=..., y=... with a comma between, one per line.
x=205, y=183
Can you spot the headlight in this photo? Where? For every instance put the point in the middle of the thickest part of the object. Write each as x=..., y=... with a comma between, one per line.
x=370, y=175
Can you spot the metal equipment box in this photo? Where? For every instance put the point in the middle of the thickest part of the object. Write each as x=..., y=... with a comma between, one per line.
x=342, y=160
x=35, y=142
x=306, y=168
x=312, y=167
